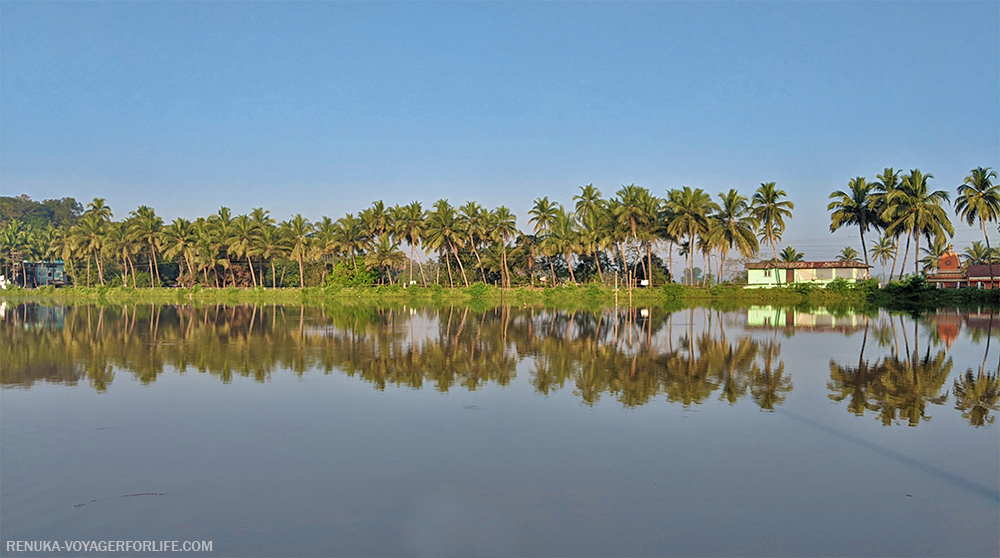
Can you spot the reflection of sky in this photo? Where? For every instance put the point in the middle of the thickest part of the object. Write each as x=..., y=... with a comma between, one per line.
x=322, y=465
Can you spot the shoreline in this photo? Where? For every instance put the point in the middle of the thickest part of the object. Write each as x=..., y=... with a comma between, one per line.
x=906, y=295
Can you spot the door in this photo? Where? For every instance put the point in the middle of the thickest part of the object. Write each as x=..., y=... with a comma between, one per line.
x=789, y=275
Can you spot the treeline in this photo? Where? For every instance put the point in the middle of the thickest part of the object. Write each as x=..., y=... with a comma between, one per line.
x=608, y=240
x=612, y=241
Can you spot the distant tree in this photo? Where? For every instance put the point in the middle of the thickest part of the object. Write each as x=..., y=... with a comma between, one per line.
x=789, y=254
x=848, y=254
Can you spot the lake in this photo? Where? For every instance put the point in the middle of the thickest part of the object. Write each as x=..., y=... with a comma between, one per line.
x=462, y=431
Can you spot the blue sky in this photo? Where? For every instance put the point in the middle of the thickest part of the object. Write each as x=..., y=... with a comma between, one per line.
x=321, y=107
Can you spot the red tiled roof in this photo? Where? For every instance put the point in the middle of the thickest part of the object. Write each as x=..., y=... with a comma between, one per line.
x=813, y=265
x=982, y=271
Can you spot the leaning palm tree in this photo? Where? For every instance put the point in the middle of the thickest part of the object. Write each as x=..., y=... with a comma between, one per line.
x=690, y=209
x=979, y=200
x=732, y=227
x=854, y=207
x=563, y=238
x=349, y=237
x=933, y=253
x=475, y=219
x=385, y=256
x=770, y=212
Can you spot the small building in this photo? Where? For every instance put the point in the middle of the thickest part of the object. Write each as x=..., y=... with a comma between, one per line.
x=951, y=275
x=780, y=274
x=41, y=274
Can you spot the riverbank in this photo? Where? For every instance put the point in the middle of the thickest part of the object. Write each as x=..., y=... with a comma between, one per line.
x=564, y=296
x=911, y=295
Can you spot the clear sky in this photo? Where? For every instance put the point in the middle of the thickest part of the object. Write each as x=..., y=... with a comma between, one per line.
x=320, y=108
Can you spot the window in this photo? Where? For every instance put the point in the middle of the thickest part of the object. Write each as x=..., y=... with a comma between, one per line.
x=767, y=273
x=824, y=274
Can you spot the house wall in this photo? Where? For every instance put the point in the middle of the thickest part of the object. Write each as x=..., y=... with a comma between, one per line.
x=757, y=278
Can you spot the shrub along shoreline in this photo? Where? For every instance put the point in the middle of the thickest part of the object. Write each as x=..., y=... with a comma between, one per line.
x=911, y=295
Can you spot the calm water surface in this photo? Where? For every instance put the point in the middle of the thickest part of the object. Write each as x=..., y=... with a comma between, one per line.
x=288, y=431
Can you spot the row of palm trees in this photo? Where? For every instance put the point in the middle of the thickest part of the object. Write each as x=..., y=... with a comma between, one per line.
x=616, y=237
x=898, y=204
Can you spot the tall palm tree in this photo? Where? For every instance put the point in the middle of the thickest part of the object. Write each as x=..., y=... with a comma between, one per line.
x=410, y=226
x=178, y=241
x=146, y=227
x=244, y=241
x=979, y=199
x=917, y=210
x=563, y=238
x=89, y=235
x=475, y=219
x=299, y=230
x=888, y=182
x=445, y=230
x=543, y=213
x=349, y=237
x=385, y=256
x=272, y=243
x=733, y=227
x=770, y=212
x=504, y=226
x=690, y=210
x=854, y=207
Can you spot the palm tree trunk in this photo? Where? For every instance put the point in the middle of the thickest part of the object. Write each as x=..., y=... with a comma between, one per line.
x=691, y=244
x=649, y=254
x=895, y=258
x=863, y=249
x=460, y=266
x=506, y=272
x=570, y=266
x=150, y=262
x=302, y=277
x=916, y=255
x=156, y=264
x=254, y=275
x=481, y=272
x=906, y=253
x=989, y=259
x=447, y=260
x=597, y=260
x=621, y=248
x=274, y=276
x=411, y=264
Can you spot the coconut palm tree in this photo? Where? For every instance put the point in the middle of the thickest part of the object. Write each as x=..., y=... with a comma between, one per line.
x=848, y=254
x=503, y=223
x=445, y=230
x=89, y=235
x=789, y=254
x=732, y=227
x=145, y=226
x=933, y=253
x=178, y=241
x=917, y=210
x=271, y=242
x=385, y=256
x=883, y=249
x=690, y=210
x=299, y=231
x=244, y=241
x=888, y=182
x=854, y=207
x=979, y=200
x=543, y=213
x=770, y=212
x=563, y=238
x=410, y=226
x=977, y=254
x=349, y=237
x=475, y=229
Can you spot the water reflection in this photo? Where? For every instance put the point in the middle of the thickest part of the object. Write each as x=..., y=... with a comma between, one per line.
x=632, y=356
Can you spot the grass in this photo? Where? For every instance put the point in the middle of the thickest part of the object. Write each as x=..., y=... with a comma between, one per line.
x=584, y=296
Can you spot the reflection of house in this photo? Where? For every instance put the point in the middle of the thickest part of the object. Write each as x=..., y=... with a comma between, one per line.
x=951, y=275
x=949, y=324
x=776, y=274
x=818, y=319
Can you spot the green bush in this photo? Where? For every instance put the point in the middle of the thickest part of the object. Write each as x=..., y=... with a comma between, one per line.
x=478, y=290
x=344, y=275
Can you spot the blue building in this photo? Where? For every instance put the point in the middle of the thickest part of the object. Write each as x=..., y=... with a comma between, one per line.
x=41, y=274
